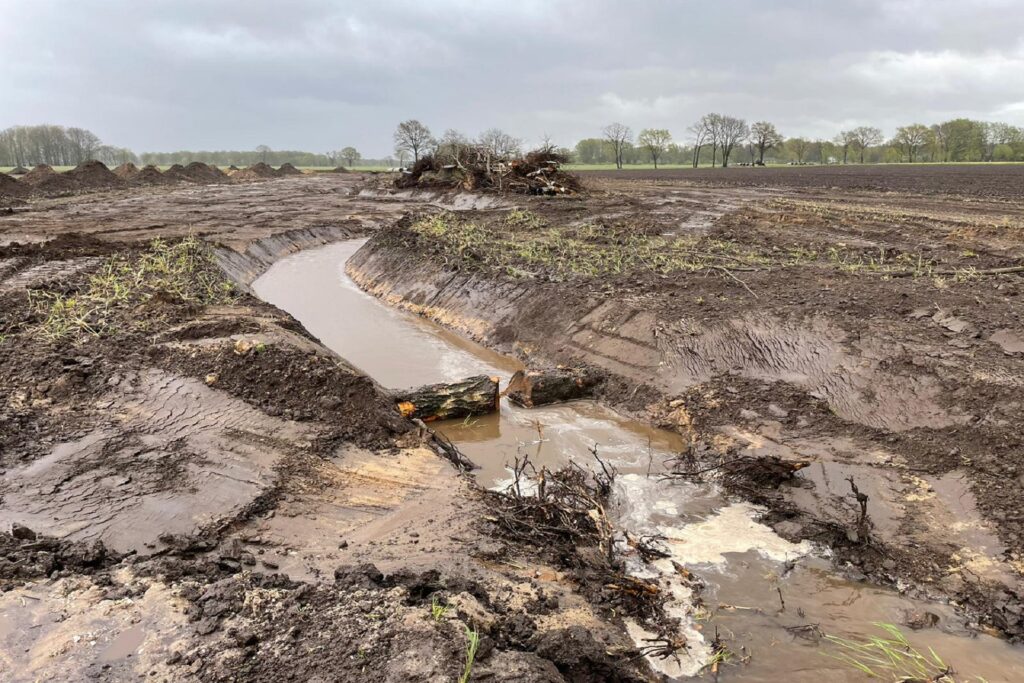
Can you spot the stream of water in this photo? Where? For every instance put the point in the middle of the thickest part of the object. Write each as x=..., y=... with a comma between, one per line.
x=746, y=566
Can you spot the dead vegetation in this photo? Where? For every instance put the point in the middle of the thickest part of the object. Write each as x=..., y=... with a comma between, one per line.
x=475, y=168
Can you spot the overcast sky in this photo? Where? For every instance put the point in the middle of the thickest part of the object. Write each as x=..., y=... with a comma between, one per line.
x=318, y=75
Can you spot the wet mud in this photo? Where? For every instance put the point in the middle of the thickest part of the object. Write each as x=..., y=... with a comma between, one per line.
x=214, y=492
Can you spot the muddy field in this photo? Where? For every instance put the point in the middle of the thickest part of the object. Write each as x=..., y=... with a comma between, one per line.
x=198, y=489
x=995, y=181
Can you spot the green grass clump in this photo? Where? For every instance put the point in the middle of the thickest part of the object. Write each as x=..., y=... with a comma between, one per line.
x=472, y=645
x=522, y=245
x=891, y=657
x=183, y=271
x=437, y=610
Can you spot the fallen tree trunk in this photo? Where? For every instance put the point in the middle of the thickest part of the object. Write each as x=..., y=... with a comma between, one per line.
x=471, y=396
x=540, y=387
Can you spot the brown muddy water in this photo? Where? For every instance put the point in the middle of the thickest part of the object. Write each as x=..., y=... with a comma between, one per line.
x=743, y=563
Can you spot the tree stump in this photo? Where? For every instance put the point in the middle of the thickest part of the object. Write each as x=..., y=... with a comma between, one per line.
x=541, y=387
x=471, y=396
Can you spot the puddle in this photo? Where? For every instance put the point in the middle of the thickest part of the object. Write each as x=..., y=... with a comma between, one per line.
x=758, y=587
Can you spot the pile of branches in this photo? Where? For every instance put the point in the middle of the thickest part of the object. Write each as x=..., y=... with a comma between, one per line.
x=564, y=508
x=476, y=168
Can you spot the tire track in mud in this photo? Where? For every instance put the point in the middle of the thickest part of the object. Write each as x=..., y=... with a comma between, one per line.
x=158, y=467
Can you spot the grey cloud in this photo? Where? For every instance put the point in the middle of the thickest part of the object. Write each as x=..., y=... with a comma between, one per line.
x=315, y=75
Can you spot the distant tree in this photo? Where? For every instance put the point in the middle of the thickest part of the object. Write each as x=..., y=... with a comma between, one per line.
x=844, y=141
x=910, y=139
x=83, y=145
x=617, y=136
x=412, y=136
x=263, y=151
x=865, y=137
x=655, y=141
x=593, y=151
x=701, y=132
x=731, y=131
x=351, y=155
x=764, y=137
x=500, y=144
x=798, y=148
x=402, y=155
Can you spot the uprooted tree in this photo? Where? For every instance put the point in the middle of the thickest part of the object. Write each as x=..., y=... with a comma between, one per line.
x=475, y=167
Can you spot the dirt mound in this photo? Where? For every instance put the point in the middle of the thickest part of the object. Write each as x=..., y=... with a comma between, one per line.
x=39, y=174
x=126, y=171
x=257, y=171
x=176, y=173
x=475, y=168
x=195, y=172
x=18, y=170
x=340, y=169
x=288, y=169
x=204, y=173
x=9, y=187
x=92, y=174
x=150, y=175
x=43, y=180
x=232, y=167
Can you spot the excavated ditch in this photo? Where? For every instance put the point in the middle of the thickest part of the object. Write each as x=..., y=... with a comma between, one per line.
x=767, y=597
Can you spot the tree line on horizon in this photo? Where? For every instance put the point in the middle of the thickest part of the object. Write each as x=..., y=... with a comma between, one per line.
x=715, y=139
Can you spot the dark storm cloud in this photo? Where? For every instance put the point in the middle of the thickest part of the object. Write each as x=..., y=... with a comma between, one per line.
x=315, y=75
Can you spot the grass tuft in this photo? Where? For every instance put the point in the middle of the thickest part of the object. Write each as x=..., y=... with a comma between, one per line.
x=890, y=656
x=472, y=644
x=182, y=271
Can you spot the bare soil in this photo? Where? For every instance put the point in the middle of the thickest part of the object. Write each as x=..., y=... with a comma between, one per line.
x=991, y=181
x=203, y=492
x=870, y=333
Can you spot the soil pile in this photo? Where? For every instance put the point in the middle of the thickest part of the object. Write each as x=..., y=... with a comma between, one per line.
x=92, y=174
x=232, y=167
x=257, y=171
x=126, y=171
x=39, y=174
x=288, y=169
x=204, y=173
x=176, y=173
x=340, y=169
x=18, y=170
x=150, y=175
x=475, y=168
x=45, y=181
x=9, y=187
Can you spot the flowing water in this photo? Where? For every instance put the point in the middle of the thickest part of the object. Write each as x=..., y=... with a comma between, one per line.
x=762, y=592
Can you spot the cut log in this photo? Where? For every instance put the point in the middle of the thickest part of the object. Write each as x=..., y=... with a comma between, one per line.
x=540, y=387
x=472, y=396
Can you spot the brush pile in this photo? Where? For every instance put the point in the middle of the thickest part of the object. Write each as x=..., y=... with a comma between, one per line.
x=475, y=168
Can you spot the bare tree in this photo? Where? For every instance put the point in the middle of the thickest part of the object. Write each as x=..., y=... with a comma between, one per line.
x=864, y=137
x=618, y=136
x=700, y=134
x=731, y=131
x=845, y=140
x=912, y=138
x=351, y=155
x=765, y=137
x=500, y=144
x=412, y=136
x=263, y=151
x=452, y=142
x=655, y=141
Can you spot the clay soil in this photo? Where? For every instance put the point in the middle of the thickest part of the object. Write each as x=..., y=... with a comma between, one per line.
x=195, y=489
x=864, y=321
x=204, y=492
